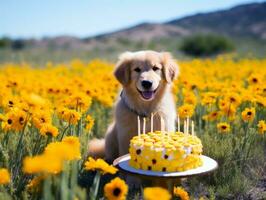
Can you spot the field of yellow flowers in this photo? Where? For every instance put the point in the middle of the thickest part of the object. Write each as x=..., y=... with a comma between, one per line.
x=49, y=113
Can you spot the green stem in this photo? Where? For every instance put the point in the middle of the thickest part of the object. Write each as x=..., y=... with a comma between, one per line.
x=95, y=187
x=242, y=149
x=64, y=132
x=47, y=188
x=37, y=144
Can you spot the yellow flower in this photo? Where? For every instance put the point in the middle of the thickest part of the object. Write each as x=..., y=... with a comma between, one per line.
x=51, y=161
x=212, y=116
x=90, y=122
x=209, y=98
x=42, y=164
x=48, y=130
x=15, y=120
x=68, y=149
x=70, y=116
x=4, y=176
x=99, y=164
x=154, y=193
x=73, y=143
x=181, y=193
x=227, y=109
x=223, y=104
x=233, y=99
x=79, y=100
x=116, y=189
x=185, y=110
x=41, y=117
x=248, y=114
x=223, y=127
x=261, y=127
x=254, y=79
x=261, y=100
x=190, y=98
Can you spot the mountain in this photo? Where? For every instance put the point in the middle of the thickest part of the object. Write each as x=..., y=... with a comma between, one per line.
x=147, y=31
x=245, y=24
x=245, y=20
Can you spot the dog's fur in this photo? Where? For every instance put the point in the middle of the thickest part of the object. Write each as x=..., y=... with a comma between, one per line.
x=161, y=69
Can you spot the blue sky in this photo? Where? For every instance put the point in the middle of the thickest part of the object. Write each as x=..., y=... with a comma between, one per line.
x=38, y=18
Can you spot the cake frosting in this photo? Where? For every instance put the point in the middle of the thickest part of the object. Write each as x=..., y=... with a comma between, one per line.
x=167, y=152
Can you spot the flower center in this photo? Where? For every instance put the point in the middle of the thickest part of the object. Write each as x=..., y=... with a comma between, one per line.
x=48, y=133
x=9, y=121
x=21, y=120
x=116, y=192
x=255, y=80
x=232, y=99
x=223, y=127
x=249, y=113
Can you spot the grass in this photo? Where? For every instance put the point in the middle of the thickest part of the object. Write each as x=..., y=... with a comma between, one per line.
x=111, y=48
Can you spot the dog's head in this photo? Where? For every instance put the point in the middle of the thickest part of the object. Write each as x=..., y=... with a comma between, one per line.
x=145, y=73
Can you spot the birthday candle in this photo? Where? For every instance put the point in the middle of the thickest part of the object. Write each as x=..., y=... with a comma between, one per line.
x=162, y=128
x=162, y=124
x=168, y=129
x=192, y=127
x=138, y=127
x=151, y=122
x=144, y=125
x=178, y=123
x=187, y=124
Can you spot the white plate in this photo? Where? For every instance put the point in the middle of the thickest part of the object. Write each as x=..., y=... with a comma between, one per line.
x=208, y=165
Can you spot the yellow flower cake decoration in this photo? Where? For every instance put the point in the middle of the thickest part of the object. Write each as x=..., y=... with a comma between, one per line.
x=166, y=151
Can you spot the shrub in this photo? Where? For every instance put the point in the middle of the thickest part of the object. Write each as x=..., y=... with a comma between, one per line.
x=206, y=45
x=18, y=44
x=4, y=42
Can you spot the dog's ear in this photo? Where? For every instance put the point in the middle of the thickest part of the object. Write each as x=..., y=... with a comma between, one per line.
x=170, y=67
x=122, y=71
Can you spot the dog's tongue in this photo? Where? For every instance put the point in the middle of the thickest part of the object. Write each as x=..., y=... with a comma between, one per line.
x=147, y=94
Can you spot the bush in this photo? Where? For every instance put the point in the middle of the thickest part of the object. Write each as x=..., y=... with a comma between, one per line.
x=18, y=44
x=206, y=45
x=4, y=42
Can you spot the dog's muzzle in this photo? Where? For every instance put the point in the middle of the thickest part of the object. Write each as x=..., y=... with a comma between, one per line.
x=147, y=93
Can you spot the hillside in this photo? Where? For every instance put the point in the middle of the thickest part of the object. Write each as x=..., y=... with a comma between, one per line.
x=245, y=20
x=244, y=24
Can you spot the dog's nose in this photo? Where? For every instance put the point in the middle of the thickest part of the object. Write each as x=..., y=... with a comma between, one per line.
x=146, y=84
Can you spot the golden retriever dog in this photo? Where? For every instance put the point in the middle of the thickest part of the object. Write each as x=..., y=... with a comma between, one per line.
x=146, y=78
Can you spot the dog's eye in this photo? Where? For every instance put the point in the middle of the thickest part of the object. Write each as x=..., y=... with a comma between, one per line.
x=137, y=69
x=155, y=68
